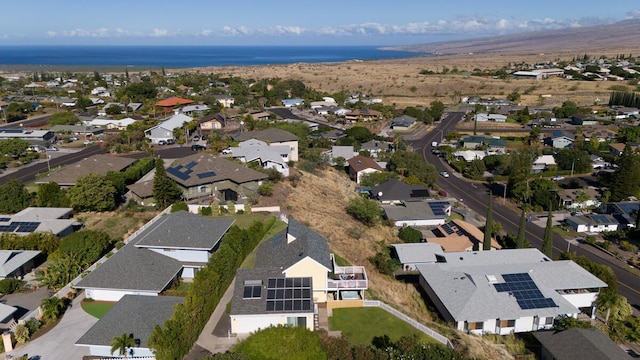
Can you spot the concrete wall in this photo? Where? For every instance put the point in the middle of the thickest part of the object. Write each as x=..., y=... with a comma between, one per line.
x=185, y=255
x=98, y=350
x=113, y=295
x=243, y=324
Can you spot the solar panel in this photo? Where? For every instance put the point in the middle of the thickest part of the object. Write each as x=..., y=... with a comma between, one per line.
x=26, y=227
x=420, y=193
x=4, y=219
x=7, y=228
x=175, y=172
x=525, y=290
x=191, y=164
x=252, y=292
x=289, y=294
x=206, y=174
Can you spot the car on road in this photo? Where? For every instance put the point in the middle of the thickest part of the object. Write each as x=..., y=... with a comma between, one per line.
x=197, y=147
x=53, y=148
x=444, y=174
x=88, y=142
x=557, y=178
x=226, y=151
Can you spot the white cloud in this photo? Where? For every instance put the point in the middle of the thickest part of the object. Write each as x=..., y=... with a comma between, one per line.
x=159, y=32
x=633, y=14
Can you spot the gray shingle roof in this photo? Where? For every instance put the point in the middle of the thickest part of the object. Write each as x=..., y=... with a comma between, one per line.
x=203, y=168
x=133, y=314
x=395, y=189
x=269, y=135
x=133, y=268
x=584, y=344
x=277, y=253
x=183, y=230
x=97, y=164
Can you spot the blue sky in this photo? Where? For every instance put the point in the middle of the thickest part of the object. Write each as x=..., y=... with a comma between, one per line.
x=287, y=22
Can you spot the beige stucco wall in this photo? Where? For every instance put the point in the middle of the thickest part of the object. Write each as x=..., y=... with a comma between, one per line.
x=318, y=273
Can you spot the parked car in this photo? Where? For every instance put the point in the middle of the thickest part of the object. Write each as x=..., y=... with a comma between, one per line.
x=226, y=151
x=444, y=174
x=73, y=138
x=196, y=137
x=53, y=148
x=196, y=147
x=162, y=142
x=557, y=178
x=171, y=141
x=88, y=142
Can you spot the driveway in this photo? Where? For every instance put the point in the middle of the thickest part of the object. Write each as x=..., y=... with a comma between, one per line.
x=59, y=342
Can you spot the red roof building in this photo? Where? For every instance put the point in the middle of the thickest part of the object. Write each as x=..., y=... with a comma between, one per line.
x=173, y=101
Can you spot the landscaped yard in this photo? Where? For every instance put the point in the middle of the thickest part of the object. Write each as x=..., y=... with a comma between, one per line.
x=361, y=325
x=97, y=308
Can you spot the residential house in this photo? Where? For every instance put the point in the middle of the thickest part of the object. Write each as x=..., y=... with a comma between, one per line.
x=363, y=115
x=396, y=192
x=623, y=211
x=412, y=254
x=459, y=235
x=142, y=193
x=292, y=102
x=111, y=123
x=172, y=102
x=600, y=134
x=87, y=131
x=32, y=136
x=96, y=164
x=344, y=152
x=597, y=162
x=331, y=135
x=273, y=137
x=583, y=120
x=615, y=149
x=133, y=107
x=164, y=130
x=417, y=213
x=593, y=223
x=134, y=315
x=560, y=139
x=268, y=157
x=7, y=317
x=507, y=291
x=294, y=272
x=494, y=144
x=375, y=147
x=543, y=163
x=212, y=122
x=575, y=343
x=583, y=198
x=260, y=115
x=225, y=100
x=204, y=175
x=360, y=166
x=39, y=219
x=627, y=112
x=17, y=263
x=470, y=155
x=403, y=123
x=194, y=110
x=483, y=117
x=175, y=246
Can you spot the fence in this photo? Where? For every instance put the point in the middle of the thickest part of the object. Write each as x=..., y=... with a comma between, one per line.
x=442, y=339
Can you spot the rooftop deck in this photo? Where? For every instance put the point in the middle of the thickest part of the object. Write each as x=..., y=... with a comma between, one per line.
x=348, y=277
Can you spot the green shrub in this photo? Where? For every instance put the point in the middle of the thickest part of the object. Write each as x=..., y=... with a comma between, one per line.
x=265, y=189
x=206, y=211
x=21, y=333
x=410, y=235
x=9, y=285
x=179, y=206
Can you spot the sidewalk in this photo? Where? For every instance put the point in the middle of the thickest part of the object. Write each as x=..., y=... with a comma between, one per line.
x=216, y=337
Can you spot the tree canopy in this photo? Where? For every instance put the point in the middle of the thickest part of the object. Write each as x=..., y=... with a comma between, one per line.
x=408, y=164
x=93, y=192
x=13, y=197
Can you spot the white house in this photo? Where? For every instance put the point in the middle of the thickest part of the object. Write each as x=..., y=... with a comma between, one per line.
x=273, y=137
x=507, y=291
x=111, y=123
x=593, y=223
x=413, y=254
x=174, y=246
x=543, y=162
x=164, y=130
x=133, y=315
x=482, y=117
x=274, y=157
x=293, y=272
x=225, y=100
x=418, y=213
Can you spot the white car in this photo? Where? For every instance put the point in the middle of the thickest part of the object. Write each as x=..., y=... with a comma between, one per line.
x=226, y=151
x=444, y=174
x=557, y=178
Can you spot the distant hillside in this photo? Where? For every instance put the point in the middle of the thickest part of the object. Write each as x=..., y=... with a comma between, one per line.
x=624, y=35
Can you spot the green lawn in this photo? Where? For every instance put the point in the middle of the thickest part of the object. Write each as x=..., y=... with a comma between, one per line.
x=361, y=325
x=97, y=308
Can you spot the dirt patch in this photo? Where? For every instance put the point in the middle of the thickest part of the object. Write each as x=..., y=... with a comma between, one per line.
x=319, y=201
x=119, y=225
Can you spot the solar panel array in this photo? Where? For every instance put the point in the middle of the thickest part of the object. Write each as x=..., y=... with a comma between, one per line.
x=451, y=228
x=438, y=207
x=20, y=226
x=289, y=294
x=4, y=219
x=600, y=219
x=525, y=290
x=252, y=292
x=206, y=174
x=422, y=193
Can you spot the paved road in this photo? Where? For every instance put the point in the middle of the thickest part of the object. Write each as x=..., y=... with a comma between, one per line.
x=476, y=197
x=59, y=342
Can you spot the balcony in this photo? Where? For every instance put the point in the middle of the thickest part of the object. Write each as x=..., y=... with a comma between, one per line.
x=347, y=277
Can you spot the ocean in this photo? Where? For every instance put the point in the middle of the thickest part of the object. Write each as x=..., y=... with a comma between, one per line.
x=189, y=56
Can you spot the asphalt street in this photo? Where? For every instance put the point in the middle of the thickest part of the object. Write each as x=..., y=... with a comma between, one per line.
x=476, y=197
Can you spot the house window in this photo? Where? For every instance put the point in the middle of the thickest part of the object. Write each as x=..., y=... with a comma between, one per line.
x=507, y=323
x=202, y=189
x=476, y=325
x=252, y=289
x=299, y=321
x=548, y=321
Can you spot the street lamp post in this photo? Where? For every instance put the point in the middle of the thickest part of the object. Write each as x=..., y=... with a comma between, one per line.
x=46, y=154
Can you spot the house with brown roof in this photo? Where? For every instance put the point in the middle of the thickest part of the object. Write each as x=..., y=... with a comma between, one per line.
x=142, y=193
x=204, y=175
x=616, y=149
x=360, y=166
x=459, y=235
x=173, y=102
x=97, y=164
x=363, y=115
x=212, y=122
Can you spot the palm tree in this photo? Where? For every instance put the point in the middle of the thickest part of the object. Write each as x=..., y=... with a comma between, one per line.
x=121, y=343
x=52, y=308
